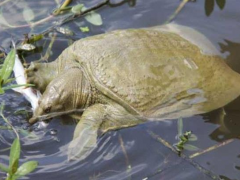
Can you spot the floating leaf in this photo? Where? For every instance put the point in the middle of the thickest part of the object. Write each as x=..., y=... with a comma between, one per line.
x=65, y=31
x=84, y=29
x=14, y=156
x=25, y=169
x=35, y=38
x=77, y=9
x=3, y=168
x=93, y=17
x=221, y=3
x=193, y=137
x=26, y=47
x=8, y=65
x=209, y=6
x=28, y=14
x=190, y=147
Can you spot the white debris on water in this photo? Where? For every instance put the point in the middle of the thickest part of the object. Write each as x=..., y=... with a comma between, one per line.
x=31, y=95
x=27, y=92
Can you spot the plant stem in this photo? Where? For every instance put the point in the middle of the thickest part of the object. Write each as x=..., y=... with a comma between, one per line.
x=9, y=124
x=211, y=148
x=177, y=11
x=65, y=4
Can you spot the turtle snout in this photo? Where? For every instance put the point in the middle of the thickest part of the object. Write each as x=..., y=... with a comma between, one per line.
x=38, y=112
x=33, y=120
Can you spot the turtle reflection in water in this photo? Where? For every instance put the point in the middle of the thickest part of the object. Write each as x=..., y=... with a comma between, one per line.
x=126, y=77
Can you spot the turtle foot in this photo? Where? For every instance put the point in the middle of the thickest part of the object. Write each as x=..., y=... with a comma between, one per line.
x=39, y=74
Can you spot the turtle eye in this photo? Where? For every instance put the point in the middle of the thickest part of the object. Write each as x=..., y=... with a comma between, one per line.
x=47, y=110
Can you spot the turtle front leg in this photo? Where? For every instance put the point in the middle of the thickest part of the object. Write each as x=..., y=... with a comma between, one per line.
x=86, y=132
x=96, y=120
x=41, y=74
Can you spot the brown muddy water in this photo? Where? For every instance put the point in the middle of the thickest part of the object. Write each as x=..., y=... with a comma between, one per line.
x=133, y=153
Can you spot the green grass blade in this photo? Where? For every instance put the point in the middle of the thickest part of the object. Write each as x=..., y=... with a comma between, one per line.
x=190, y=147
x=8, y=66
x=25, y=169
x=14, y=156
x=16, y=86
x=3, y=168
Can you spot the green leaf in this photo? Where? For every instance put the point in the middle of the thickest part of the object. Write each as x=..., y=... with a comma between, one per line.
x=16, y=86
x=190, y=147
x=9, y=80
x=4, y=168
x=84, y=29
x=8, y=65
x=193, y=137
x=221, y=3
x=77, y=9
x=209, y=6
x=28, y=14
x=93, y=17
x=180, y=127
x=65, y=30
x=26, y=47
x=35, y=38
x=14, y=156
x=1, y=91
x=26, y=168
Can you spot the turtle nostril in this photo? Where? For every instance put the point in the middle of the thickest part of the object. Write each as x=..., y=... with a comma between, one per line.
x=47, y=110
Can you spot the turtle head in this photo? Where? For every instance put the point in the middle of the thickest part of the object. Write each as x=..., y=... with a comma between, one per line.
x=67, y=92
x=51, y=101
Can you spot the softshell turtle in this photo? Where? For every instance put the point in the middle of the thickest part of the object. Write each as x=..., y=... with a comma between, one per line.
x=126, y=77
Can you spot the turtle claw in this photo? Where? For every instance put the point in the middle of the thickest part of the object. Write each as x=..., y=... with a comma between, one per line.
x=35, y=75
x=39, y=74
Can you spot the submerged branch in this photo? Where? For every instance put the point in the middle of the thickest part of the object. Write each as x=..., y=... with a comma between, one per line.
x=55, y=114
x=189, y=160
x=211, y=148
x=177, y=11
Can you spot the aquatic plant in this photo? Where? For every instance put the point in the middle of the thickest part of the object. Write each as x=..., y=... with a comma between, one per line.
x=185, y=139
x=14, y=171
x=6, y=71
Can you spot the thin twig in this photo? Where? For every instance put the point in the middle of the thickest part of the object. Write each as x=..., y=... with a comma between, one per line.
x=55, y=114
x=74, y=16
x=69, y=18
x=65, y=4
x=48, y=51
x=177, y=11
x=211, y=148
x=196, y=165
